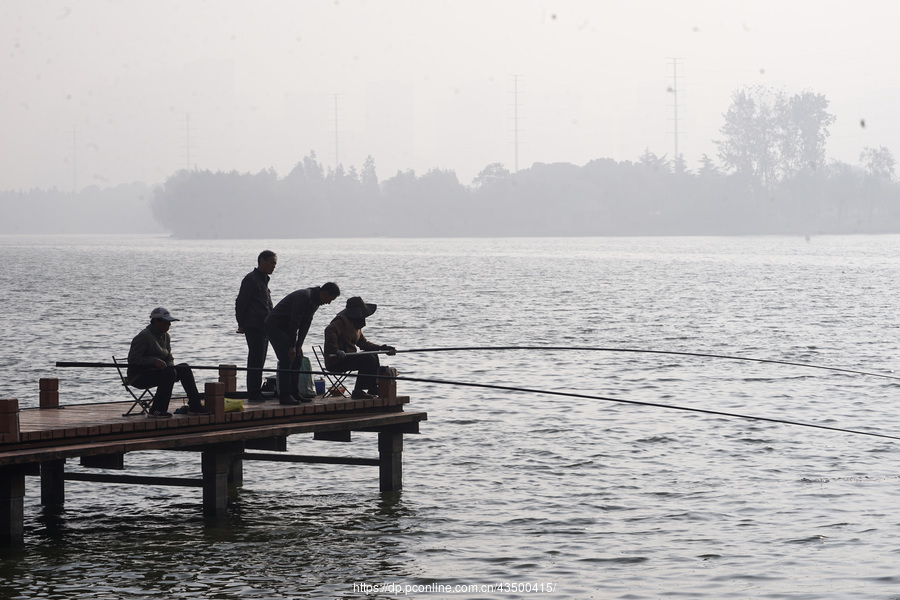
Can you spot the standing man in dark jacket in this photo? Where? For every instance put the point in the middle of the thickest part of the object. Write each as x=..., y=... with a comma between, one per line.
x=253, y=304
x=287, y=326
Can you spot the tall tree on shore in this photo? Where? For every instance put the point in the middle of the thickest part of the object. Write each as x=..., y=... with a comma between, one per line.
x=804, y=121
x=368, y=177
x=749, y=136
x=878, y=162
x=769, y=136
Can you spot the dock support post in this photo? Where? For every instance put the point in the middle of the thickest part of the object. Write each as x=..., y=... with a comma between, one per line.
x=390, y=460
x=228, y=376
x=53, y=482
x=236, y=468
x=12, y=506
x=49, y=393
x=214, y=400
x=216, y=464
x=9, y=420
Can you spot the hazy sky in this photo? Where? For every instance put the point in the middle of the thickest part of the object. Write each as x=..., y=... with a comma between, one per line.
x=105, y=92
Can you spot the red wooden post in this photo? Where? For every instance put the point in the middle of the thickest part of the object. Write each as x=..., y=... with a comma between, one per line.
x=49, y=393
x=9, y=420
x=228, y=376
x=387, y=388
x=214, y=399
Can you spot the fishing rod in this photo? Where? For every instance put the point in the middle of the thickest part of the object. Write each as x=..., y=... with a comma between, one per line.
x=569, y=349
x=102, y=365
x=537, y=391
x=643, y=351
x=641, y=403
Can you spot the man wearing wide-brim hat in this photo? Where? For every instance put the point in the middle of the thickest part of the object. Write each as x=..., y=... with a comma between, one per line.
x=343, y=341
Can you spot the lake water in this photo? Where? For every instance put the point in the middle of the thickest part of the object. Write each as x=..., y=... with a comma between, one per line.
x=540, y=496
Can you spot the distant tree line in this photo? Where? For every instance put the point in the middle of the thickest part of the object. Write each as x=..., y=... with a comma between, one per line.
x=120, y=209
x=771, y=176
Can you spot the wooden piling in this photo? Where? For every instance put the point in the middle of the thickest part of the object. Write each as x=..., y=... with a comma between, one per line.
x=387, y=388
x=9, y=421
x=216, y=466
x=49, y=393
x=390, y=460
x=53, y=482
x=228, y=376
x=12, y=505
x=214, y=399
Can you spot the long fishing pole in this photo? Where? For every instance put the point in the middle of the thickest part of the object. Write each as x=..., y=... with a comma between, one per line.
x=103, y=365
x=545, y=392
x=641, y=403
x=643, y=351
x=561, y=349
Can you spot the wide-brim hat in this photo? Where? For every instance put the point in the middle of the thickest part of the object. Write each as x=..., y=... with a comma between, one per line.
x=357, y=308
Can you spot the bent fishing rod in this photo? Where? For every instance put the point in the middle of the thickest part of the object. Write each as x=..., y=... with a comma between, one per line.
x=644, y=351
x=567, y=349
x=537, y=391
x=642, y=403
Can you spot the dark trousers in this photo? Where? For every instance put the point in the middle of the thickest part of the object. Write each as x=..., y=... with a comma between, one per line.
x=257, y=349
x=287, y=383
x=366, y=365
x=164, y=380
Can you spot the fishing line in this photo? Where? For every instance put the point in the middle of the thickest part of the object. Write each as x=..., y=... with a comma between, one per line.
x=643, y=403
x=491, y=386
x=641, y=351
x=102, y=365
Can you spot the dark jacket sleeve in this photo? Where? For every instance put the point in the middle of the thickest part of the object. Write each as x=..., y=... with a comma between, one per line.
x=242, y=302
x=331, y=344
x=299, y=311
x=365, y=345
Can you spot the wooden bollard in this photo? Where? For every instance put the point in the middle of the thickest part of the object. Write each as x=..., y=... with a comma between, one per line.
x=387, y=388
x=214, y=399
x=228, y=376
x=49, y=393
x=9, y=420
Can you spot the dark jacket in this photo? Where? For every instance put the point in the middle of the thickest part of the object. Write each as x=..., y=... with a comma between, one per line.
x=294, y=314
x=342, y=334
x=254, y=301
x=146, y=347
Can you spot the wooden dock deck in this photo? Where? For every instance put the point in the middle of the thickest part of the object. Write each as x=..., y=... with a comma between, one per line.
x=39, y=441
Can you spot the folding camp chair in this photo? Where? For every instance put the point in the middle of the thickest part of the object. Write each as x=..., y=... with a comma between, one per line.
x=335, y=379
x=144, y=399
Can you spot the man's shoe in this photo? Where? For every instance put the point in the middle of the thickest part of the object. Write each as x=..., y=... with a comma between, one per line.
x=361, y=395
x=256, y=399
x=198, y=410
x=159, y=414
x=289, y=400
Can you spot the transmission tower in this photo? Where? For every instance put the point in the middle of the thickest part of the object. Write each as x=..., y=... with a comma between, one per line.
x=187, y=141
x=516, y=123
x=337, y=154
x=74, y=161
x=674, y=90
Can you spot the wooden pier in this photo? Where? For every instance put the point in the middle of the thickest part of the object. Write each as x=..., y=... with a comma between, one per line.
x=38, y=441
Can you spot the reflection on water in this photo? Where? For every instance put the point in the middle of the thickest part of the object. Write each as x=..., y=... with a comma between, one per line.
x=271, y=545
x=601, y=500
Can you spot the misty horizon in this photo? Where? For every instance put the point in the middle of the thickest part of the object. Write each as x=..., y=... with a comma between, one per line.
x=104, y=94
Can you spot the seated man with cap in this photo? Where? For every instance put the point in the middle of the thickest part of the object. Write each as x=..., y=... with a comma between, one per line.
x=344, y=339
x=150, y=364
